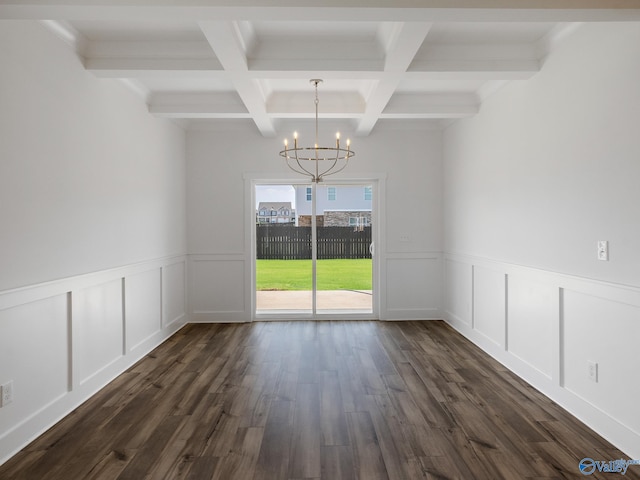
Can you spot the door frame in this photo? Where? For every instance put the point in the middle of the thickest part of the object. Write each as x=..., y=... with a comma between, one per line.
x=377, y=183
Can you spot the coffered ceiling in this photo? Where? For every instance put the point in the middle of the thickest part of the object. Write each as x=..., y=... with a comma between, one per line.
x=383, y=61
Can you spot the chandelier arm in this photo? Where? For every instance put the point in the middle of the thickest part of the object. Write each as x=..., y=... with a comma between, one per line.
x=333, y=165
x=303, y=171
x=346, y=162
x=348, y=155
x=307, y=172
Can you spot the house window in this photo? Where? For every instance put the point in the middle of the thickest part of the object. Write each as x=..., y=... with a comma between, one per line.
x=308, y=194
x=273, y=213
x=368, y=193
x=263, y=213
x=331, y=193
x=358, y=221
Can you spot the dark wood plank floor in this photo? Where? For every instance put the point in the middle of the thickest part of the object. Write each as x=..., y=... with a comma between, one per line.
x=307, y=400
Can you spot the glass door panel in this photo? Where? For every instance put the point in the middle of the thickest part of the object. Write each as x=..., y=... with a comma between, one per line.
x=283, y=253
x=344, y=263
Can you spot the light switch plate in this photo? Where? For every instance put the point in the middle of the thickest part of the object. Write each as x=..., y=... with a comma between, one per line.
x=6, y=394
x=592, y=371
x=603, y=250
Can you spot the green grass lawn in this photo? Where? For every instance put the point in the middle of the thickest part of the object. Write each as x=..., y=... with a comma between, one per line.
x=296, y=274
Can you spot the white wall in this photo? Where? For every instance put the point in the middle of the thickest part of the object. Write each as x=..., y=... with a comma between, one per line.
x=92, y=231
x=88, y=179
x=549, y=167
x=219, y=161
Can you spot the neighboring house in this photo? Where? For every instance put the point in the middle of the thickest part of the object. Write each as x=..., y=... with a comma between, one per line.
x=335, y=205
x=351, y=218
x=275, y=212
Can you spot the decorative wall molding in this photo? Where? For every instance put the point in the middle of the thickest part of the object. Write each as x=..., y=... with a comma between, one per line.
x=218, y=288
x=411, y=286
x=78, y=334
x=545, y=327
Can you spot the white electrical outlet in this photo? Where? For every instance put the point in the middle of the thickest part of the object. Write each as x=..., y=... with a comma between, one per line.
x=6, y=394
x=603, y=250
x=592, y=371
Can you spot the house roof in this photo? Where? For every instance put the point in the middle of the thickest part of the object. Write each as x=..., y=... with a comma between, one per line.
x=275, y=206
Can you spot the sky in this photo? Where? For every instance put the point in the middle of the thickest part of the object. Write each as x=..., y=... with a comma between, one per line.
x=275, y=193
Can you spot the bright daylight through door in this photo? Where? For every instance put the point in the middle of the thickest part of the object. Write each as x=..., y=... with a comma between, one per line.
x=285, y=253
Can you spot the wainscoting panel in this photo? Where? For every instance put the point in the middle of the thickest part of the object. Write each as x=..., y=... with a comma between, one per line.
x=458, y=281
x=605, y=332
x=174, y=298
x=413, y=287
x=489, y=307
x=62, y=341
x=34, y=344
x=533, y=323
x=554, y=325
x=142, y=307
x=98, y=336
x=217, y=288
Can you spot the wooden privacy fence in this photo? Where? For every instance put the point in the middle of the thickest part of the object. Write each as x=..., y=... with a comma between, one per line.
x=286, y=242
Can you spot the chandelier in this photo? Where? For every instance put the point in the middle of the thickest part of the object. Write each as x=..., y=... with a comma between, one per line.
x=316, y=162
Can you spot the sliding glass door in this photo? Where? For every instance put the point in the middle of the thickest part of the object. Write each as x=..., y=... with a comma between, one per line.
x=314, y=248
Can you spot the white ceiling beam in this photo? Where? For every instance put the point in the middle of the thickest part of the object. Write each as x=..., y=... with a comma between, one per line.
x=294, y=105
x=149, y=49
x=127, y=59
x=321, y=53
x=326, y=10
x=154, y=67
x=68, y=34
x=300, y=105
x=403, y=44
x=194, y=111
x=227, y=43
x=203, y=68
x=480, y=69
x=336, y=64
x=503, y=51
x=110, y=57
x=493, y=61
x=197, y=105
x=449, y=105
x=323, y=74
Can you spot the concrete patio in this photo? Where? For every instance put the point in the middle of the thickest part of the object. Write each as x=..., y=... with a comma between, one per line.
x=360, y=300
